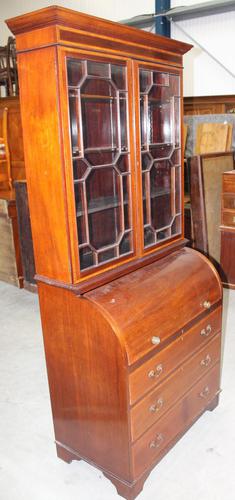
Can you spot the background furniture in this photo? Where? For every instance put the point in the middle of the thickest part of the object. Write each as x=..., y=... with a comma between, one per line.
x=25, y=236
x=13, y=167
x=128, y=374
x=10, y=260
x=5, y=161
x=194, y=121
x=228, y=230
x=8, y=69
x=205, y=194
x=209, y=105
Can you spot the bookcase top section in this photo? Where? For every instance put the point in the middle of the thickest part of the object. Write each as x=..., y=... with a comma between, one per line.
x=73, y=20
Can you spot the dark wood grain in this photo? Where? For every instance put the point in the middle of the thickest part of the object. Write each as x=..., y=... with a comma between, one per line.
x=25, y=235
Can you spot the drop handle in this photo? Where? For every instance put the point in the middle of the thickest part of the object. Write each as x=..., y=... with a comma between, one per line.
x=157, y=406
x=157, y=441
x=157, y=372
x=205, y=392
x=206, y=361
x=206, y=331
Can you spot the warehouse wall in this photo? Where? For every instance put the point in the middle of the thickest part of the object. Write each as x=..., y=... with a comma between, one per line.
x=112, y=9
x=203, y=76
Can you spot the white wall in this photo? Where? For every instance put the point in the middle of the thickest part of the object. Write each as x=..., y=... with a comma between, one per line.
x=202, y=75
x=109, y=9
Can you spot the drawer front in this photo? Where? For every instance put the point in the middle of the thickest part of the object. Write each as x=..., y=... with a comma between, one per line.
x=229, y=183
x=145, y=413
x=153, y=371
x=229, y=201
x=228, y=218
x=150, y=447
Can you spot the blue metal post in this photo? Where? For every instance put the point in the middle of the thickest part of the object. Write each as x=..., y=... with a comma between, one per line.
x=162, y=25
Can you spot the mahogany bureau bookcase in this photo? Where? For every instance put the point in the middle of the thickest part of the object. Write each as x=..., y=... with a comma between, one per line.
x=131, y=318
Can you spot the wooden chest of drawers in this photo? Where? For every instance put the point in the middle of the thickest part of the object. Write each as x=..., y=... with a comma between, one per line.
x=228, y=230
x=144, y=364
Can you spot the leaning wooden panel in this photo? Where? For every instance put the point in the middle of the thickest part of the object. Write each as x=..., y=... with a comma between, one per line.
x=10, y=259
x=206, y=184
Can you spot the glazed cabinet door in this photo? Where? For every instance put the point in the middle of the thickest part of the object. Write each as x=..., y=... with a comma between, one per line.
x=159, y=118
x=98, y=102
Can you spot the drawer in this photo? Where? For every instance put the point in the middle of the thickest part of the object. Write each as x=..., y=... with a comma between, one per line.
x=153, y=371
x=228, y=218
x=145, y=413
x=229, y=201
x=229, y=182
x=150, y=447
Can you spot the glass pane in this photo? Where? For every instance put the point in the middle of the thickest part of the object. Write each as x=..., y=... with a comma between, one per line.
x=149, y=236
x=176, y=226
x=97, y=69
x=101, y=165
x=75, y=72
x=80, y=169
x=86, y=257
x=161, y=159
x=160, y=195
x=145, y=80
x=74, y=117
x=118, y=75
x=123, y=119
x=99, y=117
x=106, y=255
x=125, y=245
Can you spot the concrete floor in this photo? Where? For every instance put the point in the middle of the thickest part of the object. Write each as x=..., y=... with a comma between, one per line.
x=200, y=466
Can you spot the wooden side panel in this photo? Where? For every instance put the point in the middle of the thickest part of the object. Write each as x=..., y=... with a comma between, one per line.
x=44, y=162
x=228, y=258
x=86, y=370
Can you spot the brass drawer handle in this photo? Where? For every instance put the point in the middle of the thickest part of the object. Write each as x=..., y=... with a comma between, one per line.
x=205, y=392
x=206, y=331
x=206, y=304
x=155, y=408
x=155, y=340
x=157, y=441
x=206, y=361
x=157, y=372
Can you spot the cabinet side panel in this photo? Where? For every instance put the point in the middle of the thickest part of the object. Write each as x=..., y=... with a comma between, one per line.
x=87, y=378
x=43, y=159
